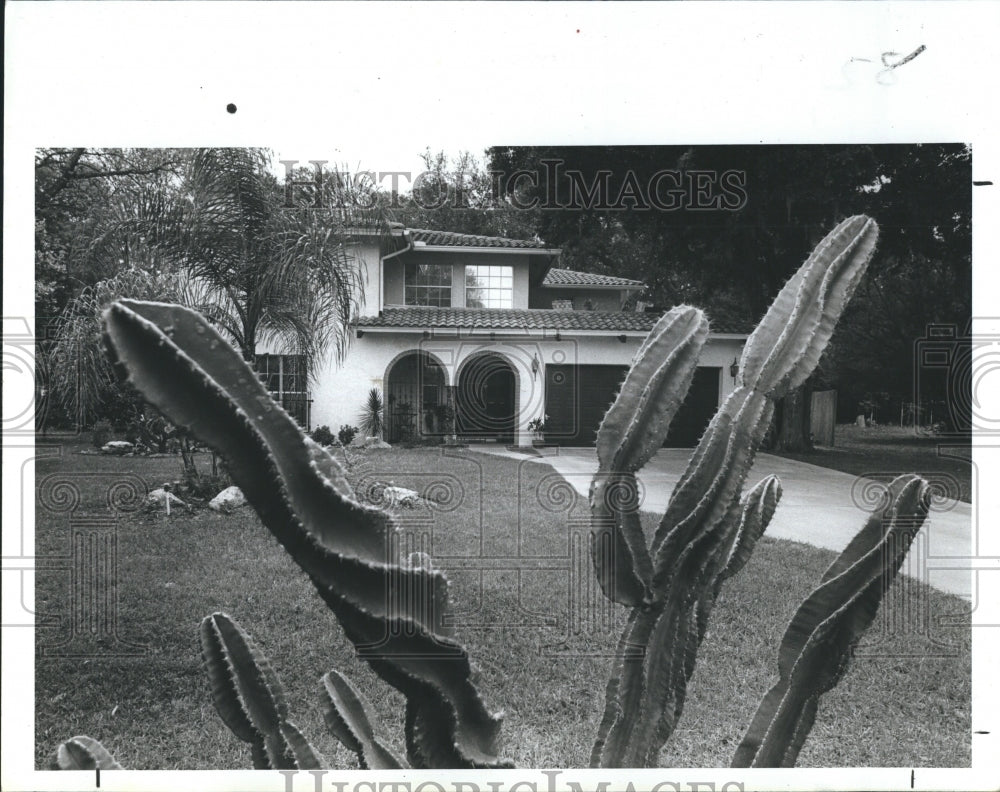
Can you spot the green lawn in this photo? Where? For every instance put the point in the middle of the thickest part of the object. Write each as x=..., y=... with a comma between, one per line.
x=540, y=639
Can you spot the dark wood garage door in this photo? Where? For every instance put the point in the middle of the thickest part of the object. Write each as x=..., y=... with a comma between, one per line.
x=699, y=406
x=577, y=397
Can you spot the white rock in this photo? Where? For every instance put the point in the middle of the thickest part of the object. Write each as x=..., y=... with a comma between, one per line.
x=160, y=497
x=117, y=447
x=400, y=497
x=227, y=501
x=375, y=442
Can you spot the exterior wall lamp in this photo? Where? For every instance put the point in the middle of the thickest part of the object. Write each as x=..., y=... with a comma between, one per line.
x=534, y=366
x=734, y=370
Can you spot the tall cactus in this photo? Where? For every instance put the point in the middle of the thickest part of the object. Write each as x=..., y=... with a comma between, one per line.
x=393, y=613
x=817, y=645
x=692, y=551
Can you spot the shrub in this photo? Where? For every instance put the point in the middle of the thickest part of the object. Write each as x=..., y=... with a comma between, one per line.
x=150, y=431
x=204, y=487
x=322, y=435
x=346, y=434
x=372, y=414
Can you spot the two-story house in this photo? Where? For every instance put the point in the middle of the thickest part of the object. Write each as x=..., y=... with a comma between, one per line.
x=480, y=335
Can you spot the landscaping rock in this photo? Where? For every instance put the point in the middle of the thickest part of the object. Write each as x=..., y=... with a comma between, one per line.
x=386, y=495
x=117, y=448
x=228, y=501
x=400, y=497
x=374, y=442
x=159, y=498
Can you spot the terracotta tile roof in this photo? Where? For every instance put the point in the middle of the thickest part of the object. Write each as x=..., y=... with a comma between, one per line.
x=454, y=239
x=565, y=277
x=532, y=319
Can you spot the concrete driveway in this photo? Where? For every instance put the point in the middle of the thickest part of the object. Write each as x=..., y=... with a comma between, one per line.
x=819, y=506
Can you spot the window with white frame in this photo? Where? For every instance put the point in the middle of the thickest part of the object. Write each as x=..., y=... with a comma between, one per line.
x=427, y=284
x=286, y=379
x=489, y=286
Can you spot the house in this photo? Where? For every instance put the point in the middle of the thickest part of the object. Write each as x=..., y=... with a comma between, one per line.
x=477, y=336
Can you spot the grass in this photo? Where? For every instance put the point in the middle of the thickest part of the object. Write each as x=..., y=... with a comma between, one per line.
x=893, y=449
x=545, y=670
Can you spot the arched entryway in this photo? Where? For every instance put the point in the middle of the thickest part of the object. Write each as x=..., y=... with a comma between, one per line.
x=485, y=398
x=416, y=406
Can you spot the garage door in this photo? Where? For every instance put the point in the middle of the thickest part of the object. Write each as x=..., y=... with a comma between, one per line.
x=577, y=397
x=699, y=406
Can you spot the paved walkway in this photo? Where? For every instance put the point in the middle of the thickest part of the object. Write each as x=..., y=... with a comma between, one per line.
x=819, y=506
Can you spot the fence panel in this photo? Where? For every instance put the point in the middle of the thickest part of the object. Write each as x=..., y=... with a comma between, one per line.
x=823, y=416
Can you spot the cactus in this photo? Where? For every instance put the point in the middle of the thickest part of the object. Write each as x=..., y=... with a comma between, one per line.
x=184, y=367
x=701, y=539
x=823, y=632
x=83, y=753
x=349, y=718
x=631, y=432
x=249, y=698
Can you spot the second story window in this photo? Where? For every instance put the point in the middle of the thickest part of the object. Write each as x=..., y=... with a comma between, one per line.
x=489, y=287
x=428, y=284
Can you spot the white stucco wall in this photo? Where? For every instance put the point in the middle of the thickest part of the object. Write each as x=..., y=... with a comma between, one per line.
x=339, y=392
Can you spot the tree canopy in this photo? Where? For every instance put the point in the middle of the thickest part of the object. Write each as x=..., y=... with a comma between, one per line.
x=723, y=227
x=205, y=225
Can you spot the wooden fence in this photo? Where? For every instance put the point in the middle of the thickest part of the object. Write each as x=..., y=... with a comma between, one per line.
x=823, y=416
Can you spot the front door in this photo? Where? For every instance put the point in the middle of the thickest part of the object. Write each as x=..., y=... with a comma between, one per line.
x=485, y=401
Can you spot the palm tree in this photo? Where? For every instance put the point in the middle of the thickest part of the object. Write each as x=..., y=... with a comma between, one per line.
x=81, y=377
x=219, y=238
x=275, y=274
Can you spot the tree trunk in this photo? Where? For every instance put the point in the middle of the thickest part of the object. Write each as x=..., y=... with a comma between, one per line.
x=792, y=420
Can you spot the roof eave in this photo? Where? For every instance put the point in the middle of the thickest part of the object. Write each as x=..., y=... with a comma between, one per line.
x=619, y=287
x=479, y=249
x=455, y=331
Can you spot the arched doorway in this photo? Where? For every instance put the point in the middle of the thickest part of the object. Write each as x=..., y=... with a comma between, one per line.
x=485, y=398
x=416, y=399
